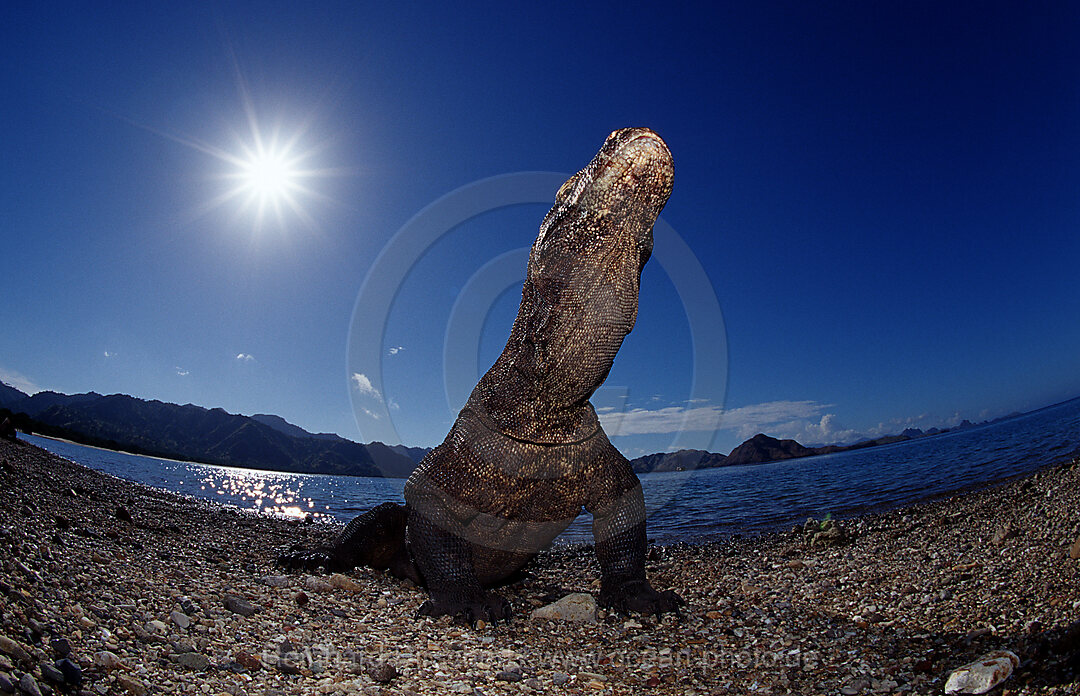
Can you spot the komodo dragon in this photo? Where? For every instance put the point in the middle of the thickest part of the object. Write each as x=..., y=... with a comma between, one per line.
x=527, y=451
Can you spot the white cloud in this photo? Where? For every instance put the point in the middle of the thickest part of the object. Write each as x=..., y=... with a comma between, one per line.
x=181, y=372
x=395, y=350
x=109, y=355
x=826, y=430
x=745, y=419
x=19, y=381
x=372, y=414
x=245, y=357
x=364, y=386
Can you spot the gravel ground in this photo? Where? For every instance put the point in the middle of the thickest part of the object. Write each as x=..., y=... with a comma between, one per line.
x=110, y=587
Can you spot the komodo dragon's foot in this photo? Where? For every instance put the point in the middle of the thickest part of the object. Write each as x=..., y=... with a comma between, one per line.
x=300, y=558
x=639, y=596
x=483, y=605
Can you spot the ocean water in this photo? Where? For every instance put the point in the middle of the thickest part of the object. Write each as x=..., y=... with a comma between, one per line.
x=683, y=506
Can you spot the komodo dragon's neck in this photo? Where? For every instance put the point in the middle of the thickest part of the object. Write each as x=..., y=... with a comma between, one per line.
x=580, y=296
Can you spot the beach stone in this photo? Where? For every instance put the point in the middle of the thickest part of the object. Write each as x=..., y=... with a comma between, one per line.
x=560, y=678
x=5, y=684
x=573, y=607
x=238, y=605
x=61, y=647
x=180, y=619
x=1074, y=551
x=316, y=584
x=382, y=672
x=181, y=647
x=300, y=598
x=29, y=685
x=982, y=675
x=107, y=660
x=193, y=660
x=276, y=580
x=1003, y=533
x=71, y=671
x=343, y=582
x=132, y=685
x=14, y=649
x=831, y=534
x=855, y=687
x=508, y=676
x=286, y=666
x=122, y=514
x=157, y=628
x=247, y=661
x=52, y=673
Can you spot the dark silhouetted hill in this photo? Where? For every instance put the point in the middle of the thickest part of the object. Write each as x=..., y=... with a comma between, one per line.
x=194, y=433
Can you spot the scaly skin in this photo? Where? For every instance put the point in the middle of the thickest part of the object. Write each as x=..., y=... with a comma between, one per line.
x=527, y=452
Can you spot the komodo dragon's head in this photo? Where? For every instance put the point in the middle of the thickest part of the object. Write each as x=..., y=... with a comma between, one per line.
x=581, y=291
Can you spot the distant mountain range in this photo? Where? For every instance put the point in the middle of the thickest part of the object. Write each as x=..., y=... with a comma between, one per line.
x=194, y=433
x=762, y=448
x=264, y=441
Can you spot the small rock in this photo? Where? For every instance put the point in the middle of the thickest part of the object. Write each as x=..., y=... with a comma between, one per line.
x=14, y=649
x=276, y=580
x=193, y=660
x=1004, y=532
x=29, y=685
x=238, y=605
x=107, y=660
x=508, y=676
x=61, y=647
x=132, y=685
x=180, y=619
x=573, y=607
x=316, y=584
x=343, y=582
x=248, y=661
x=382, y=672
x=982, y=675
x=5, y=684
x=122, y=514
x=157, y=628
x=72, y=672
x=288, y=667
x=300, y=598
x=560, y=678
x=52, y=674
x=1074, y=550
x=855, y=687
x=830, y=535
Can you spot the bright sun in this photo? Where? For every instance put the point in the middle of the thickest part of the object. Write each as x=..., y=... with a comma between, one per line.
x=269, y=179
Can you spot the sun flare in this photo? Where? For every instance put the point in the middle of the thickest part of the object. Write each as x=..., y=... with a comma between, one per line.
x=269, y=178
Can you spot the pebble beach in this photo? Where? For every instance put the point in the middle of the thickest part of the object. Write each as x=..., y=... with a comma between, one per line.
x=111, y=587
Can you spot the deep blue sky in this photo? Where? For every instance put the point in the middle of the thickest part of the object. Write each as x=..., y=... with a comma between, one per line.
x=884, y=196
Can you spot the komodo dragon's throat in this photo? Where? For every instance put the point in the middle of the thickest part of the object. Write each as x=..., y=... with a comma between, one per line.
x=527, y=452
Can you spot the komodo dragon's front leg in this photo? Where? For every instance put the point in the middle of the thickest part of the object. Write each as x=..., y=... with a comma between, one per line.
x=619, y=534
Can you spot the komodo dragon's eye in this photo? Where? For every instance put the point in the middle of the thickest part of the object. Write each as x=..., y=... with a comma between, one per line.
x=566, y=188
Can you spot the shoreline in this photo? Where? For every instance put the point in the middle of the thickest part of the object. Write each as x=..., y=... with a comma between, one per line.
x=909, y=595
x=666, y=537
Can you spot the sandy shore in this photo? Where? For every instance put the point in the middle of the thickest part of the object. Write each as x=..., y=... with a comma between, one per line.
x=145, y=592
